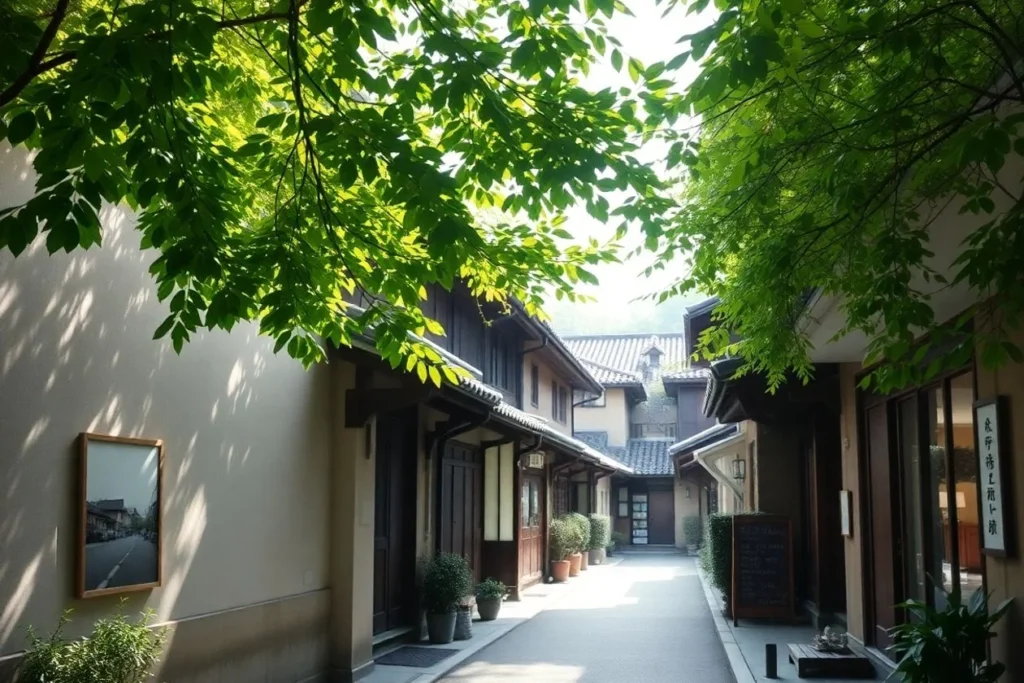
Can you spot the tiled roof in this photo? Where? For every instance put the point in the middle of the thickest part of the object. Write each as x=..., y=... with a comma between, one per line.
x=610, y=376
x=646, y=457
x=625, y=352
x=598, y=440
x=686, y=375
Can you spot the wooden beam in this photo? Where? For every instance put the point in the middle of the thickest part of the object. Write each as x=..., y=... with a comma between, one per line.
x=362, y=404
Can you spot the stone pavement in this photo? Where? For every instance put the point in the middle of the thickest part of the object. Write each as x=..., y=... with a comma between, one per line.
x=745, y=643
x=645, y=619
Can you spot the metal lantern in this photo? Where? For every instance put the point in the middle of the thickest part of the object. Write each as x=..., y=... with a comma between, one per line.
x=739, y=469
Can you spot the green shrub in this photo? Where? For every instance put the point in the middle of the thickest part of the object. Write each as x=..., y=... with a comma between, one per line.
x=716, y=554
x=491, y=589
x=447, y=579
x=619, y=539
x=117, y=651
x=600, y=527
x=693, y=530
x=561, y=538
x=582, y=525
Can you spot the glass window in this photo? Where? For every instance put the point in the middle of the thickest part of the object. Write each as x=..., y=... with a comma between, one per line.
x=534, y=385
x=937, y=523
x=913, y=500
x=965, y=477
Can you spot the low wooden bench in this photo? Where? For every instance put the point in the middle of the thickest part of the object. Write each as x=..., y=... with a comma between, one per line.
x=813, y=663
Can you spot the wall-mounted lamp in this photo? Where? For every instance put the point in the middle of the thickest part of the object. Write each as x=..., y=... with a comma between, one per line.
x=739, y=469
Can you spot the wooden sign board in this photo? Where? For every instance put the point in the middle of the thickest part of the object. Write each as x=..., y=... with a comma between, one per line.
x=762, y=567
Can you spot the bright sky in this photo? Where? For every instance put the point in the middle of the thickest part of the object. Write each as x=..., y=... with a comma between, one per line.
x=117, y=470
x=650, y=38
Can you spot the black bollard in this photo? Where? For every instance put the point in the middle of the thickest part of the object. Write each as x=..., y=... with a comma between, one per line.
x=771, y=661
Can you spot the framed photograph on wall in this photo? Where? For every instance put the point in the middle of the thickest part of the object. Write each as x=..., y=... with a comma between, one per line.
x=120, y=503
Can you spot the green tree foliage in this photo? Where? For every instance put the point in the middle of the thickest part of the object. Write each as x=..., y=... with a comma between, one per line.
x=288, y=156
x=831, y=134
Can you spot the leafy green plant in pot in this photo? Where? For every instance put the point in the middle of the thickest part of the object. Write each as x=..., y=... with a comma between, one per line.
x=693, y=532
x=489, y=595
x=600, y=528
x=716, y=553
x=619, y=541
x=447, y=579
x=117, y=651
x=583, y=538
x=560, y=540
x=948, y=645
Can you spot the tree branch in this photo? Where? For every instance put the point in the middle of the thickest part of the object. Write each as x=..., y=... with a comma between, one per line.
x=31, y=72
x=37, y=66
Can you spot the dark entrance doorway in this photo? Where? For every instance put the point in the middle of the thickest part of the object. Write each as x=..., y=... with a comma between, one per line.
x=394, y=547
x=531, y=533
x=662, y=526
x=462, y=500
x=885, y=578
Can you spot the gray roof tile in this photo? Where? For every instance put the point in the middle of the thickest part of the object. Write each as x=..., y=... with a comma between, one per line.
x=610, y=376
x=625, y=352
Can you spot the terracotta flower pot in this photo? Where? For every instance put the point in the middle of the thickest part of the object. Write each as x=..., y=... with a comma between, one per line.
x=574, y=564
x=560, y=571
x=584, y=561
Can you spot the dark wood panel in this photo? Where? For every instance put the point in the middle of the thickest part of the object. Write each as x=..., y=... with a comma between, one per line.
x=461, y=518
x=394, y=596
x=661, y=517
x=883, y=584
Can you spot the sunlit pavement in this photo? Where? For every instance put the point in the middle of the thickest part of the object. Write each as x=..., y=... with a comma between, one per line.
x=645, y=620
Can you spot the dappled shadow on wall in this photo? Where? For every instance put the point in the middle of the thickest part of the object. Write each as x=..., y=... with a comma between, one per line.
x=76, y=354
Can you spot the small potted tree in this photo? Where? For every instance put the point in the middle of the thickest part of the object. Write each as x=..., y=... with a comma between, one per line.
x=693, y=531
x=619, y=541
x=447, y=579
x=560, y=539
x=489, y=595
x=948, y=645
x=600, y=525
x=583, y=538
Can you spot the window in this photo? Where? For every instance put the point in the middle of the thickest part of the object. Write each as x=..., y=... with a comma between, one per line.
x=623, y=501
x=534, y=385
x=643, y=430
x=563, y=404
x=554, y=399
x=585, y=399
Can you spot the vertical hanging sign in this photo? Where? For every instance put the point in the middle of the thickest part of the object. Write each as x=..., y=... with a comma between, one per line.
x=993, y=477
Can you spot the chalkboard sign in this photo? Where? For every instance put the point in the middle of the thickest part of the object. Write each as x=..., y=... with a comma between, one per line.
x=762, y=567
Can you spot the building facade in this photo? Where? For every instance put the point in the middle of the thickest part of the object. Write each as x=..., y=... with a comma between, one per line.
x=295, y=505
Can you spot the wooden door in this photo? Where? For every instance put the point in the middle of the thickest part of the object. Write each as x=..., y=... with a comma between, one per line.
x=531, y=534
x=885, y=586
x=394, y=580
x=661, y=527
x=462, y=496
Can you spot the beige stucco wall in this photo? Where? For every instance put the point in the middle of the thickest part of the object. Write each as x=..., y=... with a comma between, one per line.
x=603, y=490
x=612, y=418
x=247, y=437
x=543, y=408
x=851, y=482
x=1005, y=577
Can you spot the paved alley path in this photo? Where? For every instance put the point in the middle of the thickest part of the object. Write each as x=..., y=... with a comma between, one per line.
x=645, y=620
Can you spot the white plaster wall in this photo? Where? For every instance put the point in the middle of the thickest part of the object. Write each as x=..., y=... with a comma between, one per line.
x=612, y=418
x=246, y=432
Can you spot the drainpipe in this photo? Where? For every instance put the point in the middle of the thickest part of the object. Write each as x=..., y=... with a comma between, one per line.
x=707, y=461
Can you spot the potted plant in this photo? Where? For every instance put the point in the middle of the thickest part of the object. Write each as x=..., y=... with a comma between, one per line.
x=693, y=531
x=619, y=540
x=118, y=650
x=716, y=555
x=948, y=645
x=560, y=533
x=583, y=538
x=489, y=595
x=447, y=579
x=600, y=526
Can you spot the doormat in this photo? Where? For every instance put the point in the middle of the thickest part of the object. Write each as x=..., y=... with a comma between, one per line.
x=419, y=657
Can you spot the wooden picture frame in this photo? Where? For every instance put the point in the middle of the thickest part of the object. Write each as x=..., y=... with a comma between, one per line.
x=120, y=510
x=846, y=513
x=995, y=493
